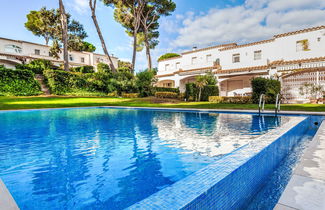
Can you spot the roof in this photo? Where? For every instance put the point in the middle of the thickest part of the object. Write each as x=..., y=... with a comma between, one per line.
x=300, y=31
x=209, y=48
x=299, y=71
x=253, y=68
x=190, y=70
x=20, y=41
x=246, y=45
x=307, y=60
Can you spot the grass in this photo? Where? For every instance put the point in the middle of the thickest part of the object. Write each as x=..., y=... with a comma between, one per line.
x=13, y=103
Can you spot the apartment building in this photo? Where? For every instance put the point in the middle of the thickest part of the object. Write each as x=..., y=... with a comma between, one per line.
x=14, y=52
x=295, y=58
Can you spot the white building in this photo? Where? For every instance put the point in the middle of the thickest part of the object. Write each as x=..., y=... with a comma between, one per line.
x=235, y=65
x=14, y=52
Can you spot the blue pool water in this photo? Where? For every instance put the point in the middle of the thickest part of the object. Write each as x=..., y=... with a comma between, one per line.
x=100, y=158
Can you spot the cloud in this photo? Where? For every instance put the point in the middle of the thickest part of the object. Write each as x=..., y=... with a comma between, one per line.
x=80, y=6
x=251, y=21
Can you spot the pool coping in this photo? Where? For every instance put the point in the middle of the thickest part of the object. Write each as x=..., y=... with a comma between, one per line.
x=185, y=191
x=7, y=202
x=305, y=189
x=244, y=111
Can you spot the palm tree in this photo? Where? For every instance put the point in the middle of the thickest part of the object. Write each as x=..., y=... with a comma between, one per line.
x=200, y=82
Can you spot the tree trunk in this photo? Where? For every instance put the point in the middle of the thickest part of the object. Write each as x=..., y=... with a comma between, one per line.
x=47, y=39
x=64, y=25
x=199, y=98
x=93, y=16
x=146, y=41
x=134, y=55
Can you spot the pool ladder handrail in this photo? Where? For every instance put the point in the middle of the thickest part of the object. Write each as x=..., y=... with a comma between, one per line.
x=277, y=103
x=261, y=104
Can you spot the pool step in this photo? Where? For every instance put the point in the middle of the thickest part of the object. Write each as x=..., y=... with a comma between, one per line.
x=40, y=78
x=6, y=200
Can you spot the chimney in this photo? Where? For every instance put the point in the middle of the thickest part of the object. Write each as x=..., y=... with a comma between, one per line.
x=194, y=48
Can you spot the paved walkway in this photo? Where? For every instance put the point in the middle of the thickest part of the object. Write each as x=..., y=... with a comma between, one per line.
x=6, y=200
x=306, y=189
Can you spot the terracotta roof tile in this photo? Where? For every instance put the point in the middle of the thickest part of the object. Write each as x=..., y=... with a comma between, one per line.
x=246, y=45
x=253, y=68
x=308, y=60
x=209, y=48
x=300, y=31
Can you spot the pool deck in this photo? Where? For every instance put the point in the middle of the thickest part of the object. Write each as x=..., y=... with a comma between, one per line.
x=6, y=200
x=306, y=188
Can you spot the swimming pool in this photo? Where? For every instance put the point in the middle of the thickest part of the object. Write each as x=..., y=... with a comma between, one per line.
x=93, y=158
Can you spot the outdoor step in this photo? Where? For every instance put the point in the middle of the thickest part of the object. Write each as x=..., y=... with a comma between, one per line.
x=40, y=78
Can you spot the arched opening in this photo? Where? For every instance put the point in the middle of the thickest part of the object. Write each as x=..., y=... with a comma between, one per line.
x=166, y=83
x=11, y=64
x=184, y=81
x=236, y=86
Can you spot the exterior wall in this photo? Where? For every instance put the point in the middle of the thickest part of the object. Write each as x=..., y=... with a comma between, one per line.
x=29, y=51
x=277, y=56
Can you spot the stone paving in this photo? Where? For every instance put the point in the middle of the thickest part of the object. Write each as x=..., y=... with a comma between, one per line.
x=6, y=200
x=306, y=189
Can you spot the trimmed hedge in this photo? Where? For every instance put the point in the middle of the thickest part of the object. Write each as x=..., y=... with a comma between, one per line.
x=69, y=83
x=209, y=90
x=18, y=83
x=166, y=95
x=164, y=89
x=231, y=100
x=37, y=66
x=269, y=87
x=191, y=92
x=130, y=95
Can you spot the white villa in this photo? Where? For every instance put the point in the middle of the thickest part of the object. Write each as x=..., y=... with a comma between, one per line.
x=294, y=57
x=14, y=52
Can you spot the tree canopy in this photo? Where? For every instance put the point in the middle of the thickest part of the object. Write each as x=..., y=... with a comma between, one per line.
x=46, y=23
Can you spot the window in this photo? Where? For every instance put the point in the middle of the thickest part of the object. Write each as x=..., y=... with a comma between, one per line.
x=82, y=60
x=194, y=60
x=13, y=49
x=209, y=58
x=167, y=67
x=37, y=52
x=258, y=55
x=236, y=58
x=70, y=57
x=318, y=39
x=178, y=65
x=302, y=45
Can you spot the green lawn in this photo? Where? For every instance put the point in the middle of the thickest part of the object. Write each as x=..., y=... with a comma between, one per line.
x=10, y=103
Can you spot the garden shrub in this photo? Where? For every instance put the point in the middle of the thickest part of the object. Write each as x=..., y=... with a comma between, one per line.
x=103, y=68
x=18, y=83
x=37, y=66
x=269, y=87
x=130, y=95
x=231, y=100
x=192, y=91
x=113, y=94
x=237, y=100
x=144, y=82
x=209, y=90
x=168, y=55
x=166, y=95
x=216, y=99
x=83, y=69
x=164, y=89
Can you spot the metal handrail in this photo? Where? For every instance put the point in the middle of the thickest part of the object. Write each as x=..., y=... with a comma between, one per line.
x=261, y=103
x=277, y=103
